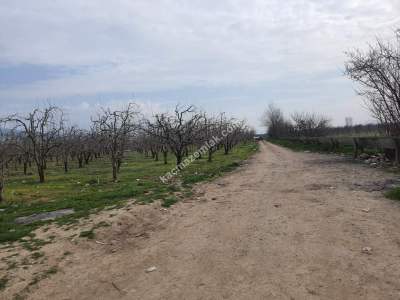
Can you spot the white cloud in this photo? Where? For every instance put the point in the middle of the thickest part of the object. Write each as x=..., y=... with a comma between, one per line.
x=150, y=46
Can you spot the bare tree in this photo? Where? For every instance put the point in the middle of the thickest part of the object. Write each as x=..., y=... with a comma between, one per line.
x=349, y=122
x=68, y=136
x=42, y=129
x=23, y=148
x=86, y=145
x=377, y=71
x=230, y=129
x=275, y=122
x=178, y=130
x=77, y=151
x=6, y=155
x=212, y=127
x=115, y=128
x=310, y=124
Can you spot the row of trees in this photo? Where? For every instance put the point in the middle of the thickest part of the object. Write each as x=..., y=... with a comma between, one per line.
x=44, y=136
x=377, y=73
x=313, y=125
x=299, y=124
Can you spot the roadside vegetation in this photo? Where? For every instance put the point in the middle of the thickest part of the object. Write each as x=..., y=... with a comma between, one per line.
x=48, y=165
x=312, y=147
x=297, y=145
x=376, y=71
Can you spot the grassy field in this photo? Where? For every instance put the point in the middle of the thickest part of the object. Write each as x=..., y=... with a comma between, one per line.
x=90, y=189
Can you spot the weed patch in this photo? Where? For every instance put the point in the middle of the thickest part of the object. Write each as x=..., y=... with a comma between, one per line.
x=393, y=194
x=167, y=202
x=89, y=234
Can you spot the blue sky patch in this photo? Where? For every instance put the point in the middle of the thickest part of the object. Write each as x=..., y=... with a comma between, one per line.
x=22, y=74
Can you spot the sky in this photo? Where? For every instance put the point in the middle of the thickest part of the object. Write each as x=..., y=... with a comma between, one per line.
x=233, y=56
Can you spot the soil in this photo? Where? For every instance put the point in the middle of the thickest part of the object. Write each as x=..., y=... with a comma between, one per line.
x=284, y=225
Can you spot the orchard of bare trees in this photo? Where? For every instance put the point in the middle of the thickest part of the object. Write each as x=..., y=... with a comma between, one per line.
x=31, y=141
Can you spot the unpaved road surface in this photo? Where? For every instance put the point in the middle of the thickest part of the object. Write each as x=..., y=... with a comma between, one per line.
x=285, y=225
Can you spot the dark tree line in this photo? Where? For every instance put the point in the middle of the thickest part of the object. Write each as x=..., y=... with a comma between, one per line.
x=313, y=125
x=44, y=136
x=300, y=124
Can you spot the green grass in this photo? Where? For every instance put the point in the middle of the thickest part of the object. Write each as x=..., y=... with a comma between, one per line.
x=91, y=188
x=299, y=146
x=167, y=202
x=33, y=244
x=393, y=194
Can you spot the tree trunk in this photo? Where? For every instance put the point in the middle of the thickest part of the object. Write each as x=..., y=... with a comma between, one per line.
x=115, y=170
x=397, y=151
x=41, y=173
x=80, y=162
x=156, y=156
x=87, y=158
x=226, y=149
x=119, y=162
x=165, y=153
x=178, y=158
x=1, y=191
x=209, y=155
x=65, y=166
x=25, y=168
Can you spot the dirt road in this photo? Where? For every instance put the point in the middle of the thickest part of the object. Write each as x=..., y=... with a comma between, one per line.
x=285, y=225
